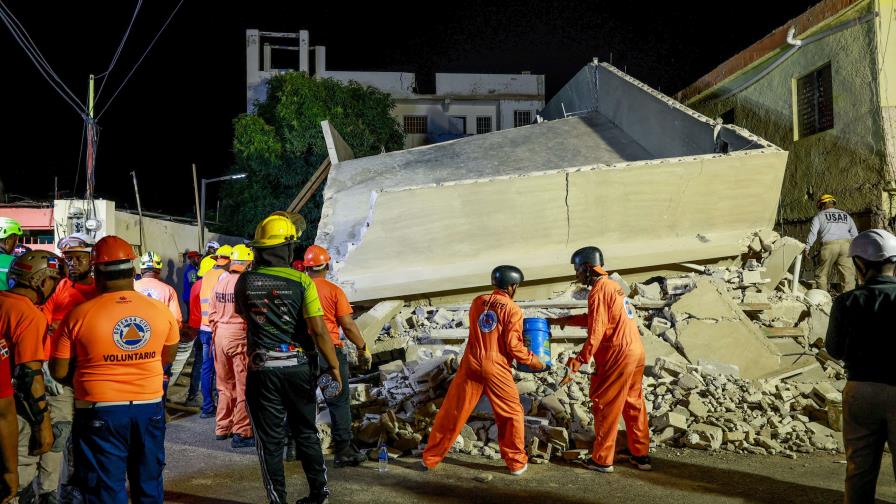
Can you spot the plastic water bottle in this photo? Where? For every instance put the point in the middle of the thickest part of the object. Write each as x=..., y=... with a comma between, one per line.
x=328, y=386
x=383, y=457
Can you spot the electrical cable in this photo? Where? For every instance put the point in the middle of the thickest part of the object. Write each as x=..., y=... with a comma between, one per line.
x=162, y=29
x=124, y=39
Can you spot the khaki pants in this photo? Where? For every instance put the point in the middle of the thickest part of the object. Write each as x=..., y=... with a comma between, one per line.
x=869, y=421
x=47, y=467
x=835, y=252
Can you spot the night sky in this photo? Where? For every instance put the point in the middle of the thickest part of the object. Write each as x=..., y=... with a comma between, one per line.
x=177, y=108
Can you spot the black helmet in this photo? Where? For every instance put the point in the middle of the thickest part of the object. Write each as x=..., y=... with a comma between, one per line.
x=505, y=276
x=591, y=256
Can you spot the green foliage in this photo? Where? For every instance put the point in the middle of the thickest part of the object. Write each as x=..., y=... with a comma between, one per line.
x=282, y=145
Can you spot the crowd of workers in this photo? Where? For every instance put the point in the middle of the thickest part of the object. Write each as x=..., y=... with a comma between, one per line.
x=90, y=344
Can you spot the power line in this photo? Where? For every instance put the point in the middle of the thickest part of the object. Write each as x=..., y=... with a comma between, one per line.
x=162, y=29
x=124, y=38
x=24, y=40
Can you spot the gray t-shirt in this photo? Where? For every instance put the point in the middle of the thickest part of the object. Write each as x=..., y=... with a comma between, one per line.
x=831, y=224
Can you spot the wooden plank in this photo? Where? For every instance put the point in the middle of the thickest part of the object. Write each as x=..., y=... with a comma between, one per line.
x=783, y=332
x=311, y=187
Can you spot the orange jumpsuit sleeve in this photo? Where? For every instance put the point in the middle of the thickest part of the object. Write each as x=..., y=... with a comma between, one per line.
x=598, y=317
x=174, y=307
x=513, y=332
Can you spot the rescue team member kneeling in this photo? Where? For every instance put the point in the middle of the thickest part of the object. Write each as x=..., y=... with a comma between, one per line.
x=112, y=349
x=279, y=305
x=496, y=340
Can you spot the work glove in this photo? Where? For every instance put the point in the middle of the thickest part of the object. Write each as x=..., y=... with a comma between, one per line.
x=53, y=387
x=574, y=364
x=365, y=360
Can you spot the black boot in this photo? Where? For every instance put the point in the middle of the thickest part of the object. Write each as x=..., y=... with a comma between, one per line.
x=348, y=456
x=319, y=497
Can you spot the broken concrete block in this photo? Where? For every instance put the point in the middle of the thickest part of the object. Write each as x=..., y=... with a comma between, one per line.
x=825, y=393
x=664, y=435
x=755, y=244
x=442, y=318
x=526, y=386
x=483, y=477
x=679, y=286
x=748, y=277
x=668, y=367
x=616, y=277
x=669, y=419
x=768, y=443
x=570, y=455
x=818, y=297
x=649, y=291
x=704, y=437
x=768, y=238
x=697, y=407
x=659, y=325
x=557, y=437
x=732, y=437
x=690, y=381
x=778, y=263
x=553, y=404
x=583, y=440
x=755, y=298
x=371, y=323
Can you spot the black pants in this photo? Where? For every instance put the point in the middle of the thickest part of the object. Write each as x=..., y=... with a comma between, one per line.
x=271, y=394
x=340, y=411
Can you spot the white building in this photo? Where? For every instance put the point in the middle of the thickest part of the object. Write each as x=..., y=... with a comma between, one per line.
x=458, y=105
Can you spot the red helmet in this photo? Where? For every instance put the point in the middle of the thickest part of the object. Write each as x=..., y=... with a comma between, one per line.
x=297, y=265
x=112, y=249
x=316, y=256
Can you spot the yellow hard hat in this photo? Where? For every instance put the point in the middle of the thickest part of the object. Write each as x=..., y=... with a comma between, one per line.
x=825, y=199
x=275, y=229
x=242, y=253
x=150, y=260
x=223, y=251
x=205, y=266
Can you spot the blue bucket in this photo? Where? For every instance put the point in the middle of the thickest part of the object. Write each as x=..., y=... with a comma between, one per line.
x=537, y=338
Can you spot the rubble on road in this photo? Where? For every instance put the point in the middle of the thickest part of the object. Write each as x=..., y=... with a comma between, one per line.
x=735, y=362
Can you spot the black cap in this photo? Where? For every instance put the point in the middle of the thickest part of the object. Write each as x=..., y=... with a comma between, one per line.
x=504, y=276
x=591, y=256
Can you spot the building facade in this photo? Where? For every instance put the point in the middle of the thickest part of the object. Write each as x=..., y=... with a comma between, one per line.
x=454, y=105
x=819, y=88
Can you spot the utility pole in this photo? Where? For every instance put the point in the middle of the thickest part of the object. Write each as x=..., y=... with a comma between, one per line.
x=199, y=223
x=91, y=144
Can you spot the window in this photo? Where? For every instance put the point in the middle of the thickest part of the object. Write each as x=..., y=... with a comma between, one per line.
x=483, y=125
x=815, y=102
x=522, y=118
x=415, y=125
x=459, y=124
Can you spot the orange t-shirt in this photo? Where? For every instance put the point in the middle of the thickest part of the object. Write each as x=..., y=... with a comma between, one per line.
x=23, y=327
x=116, y=341
x=68, y=294
x=160, y=291
x=335, y=304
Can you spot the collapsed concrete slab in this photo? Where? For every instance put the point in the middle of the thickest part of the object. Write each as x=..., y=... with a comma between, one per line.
x=446, y=214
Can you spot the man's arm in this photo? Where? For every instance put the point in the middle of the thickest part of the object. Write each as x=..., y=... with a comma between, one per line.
x=599, y=318
x=324, y=344
x=44, y=431
x=853, y=232
x=168, y=354
x=813, y=231
x=513, y=332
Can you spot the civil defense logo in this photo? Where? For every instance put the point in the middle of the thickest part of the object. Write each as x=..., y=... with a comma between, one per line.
x=488, y=321
x=131, y=333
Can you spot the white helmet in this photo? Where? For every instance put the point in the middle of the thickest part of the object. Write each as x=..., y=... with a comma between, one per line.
x=874, y=245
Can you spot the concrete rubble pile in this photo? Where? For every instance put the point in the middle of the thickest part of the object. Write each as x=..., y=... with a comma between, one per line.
x=735, y=361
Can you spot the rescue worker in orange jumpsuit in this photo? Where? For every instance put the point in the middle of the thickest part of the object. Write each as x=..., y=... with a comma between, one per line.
x=231, y=359
x=495, y=341
x=614, y=343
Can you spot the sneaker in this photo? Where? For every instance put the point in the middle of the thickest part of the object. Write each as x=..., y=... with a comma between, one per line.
x=321, y=497
x=242, y=442
x=642, y=463
x=210, y=414
x=193, y=402
x=349, y=457
x=290, y=455
x=222, y=437
x=520, y=471
x=424, y=467
x=590, y=464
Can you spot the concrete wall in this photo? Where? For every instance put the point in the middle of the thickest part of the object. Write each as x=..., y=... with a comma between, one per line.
x=850, y=160
x=536, y=221
x=169, y=239
x=397, y=84
x=886, y=64
x=453, y=84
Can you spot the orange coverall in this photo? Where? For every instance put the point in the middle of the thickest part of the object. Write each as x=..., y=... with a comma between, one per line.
x=231, y=360
x=615, y=344
x=496, y=339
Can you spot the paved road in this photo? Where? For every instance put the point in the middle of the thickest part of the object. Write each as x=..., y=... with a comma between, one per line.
x=201, y=470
